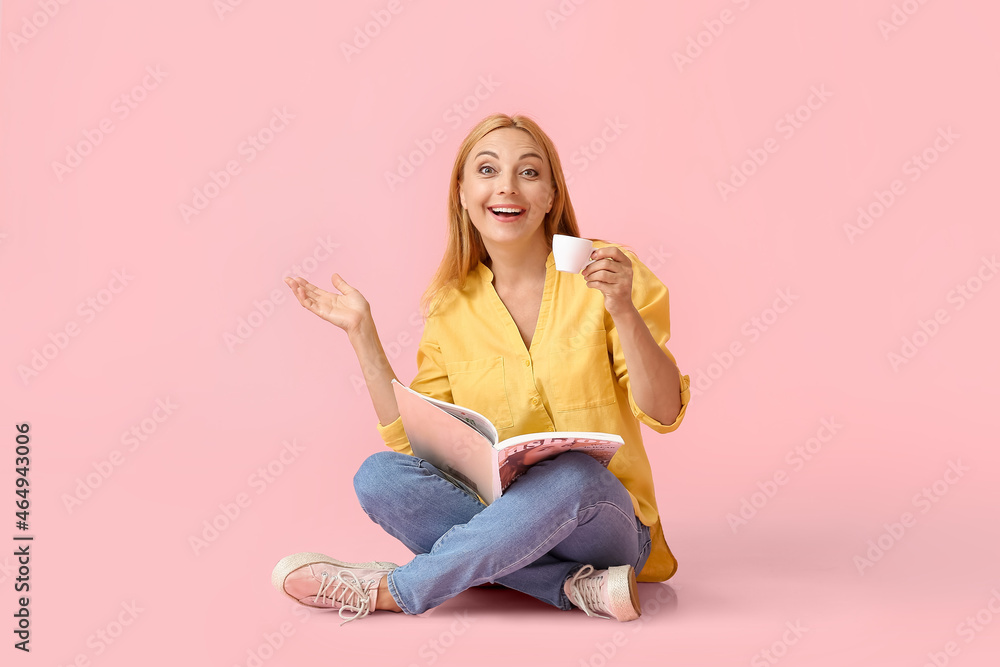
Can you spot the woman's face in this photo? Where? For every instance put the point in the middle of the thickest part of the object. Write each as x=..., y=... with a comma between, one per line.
x=507, y=170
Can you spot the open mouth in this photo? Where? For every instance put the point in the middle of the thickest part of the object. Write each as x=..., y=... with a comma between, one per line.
x=506, y=213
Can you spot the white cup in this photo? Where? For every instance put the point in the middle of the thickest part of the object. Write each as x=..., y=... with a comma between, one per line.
x=571, y=253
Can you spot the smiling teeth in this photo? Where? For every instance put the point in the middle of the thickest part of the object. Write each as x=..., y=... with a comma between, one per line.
x=506, y=210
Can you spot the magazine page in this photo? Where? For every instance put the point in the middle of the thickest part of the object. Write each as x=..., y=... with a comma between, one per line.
x=470, y=417
x=521, y=452
x=461, y=452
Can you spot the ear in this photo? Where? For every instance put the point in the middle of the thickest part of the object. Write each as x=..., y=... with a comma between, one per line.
x=461, y=196
x=552, y=199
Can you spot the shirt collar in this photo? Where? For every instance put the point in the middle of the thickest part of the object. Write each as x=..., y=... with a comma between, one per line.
x=487, y=275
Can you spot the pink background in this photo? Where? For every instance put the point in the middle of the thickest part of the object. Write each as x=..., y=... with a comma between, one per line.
x=659, y=137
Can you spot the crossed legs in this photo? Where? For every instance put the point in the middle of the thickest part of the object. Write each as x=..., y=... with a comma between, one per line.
x=560, y=515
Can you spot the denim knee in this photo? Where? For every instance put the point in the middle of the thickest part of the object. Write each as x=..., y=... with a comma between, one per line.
x=574, y=472
x=375, y=476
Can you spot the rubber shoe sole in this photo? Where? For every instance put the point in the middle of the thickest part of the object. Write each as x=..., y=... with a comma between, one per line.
x=623, y=593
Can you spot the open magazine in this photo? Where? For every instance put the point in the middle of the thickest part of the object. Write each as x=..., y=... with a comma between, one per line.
x=463, y=444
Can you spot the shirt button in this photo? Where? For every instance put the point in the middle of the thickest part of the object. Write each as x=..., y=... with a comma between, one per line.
x=527, y=362
x=534, y=400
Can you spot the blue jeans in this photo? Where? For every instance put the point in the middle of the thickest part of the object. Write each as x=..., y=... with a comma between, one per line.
x=561, y=514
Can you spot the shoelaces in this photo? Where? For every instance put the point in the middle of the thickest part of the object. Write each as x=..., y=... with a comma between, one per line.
x=585, y=592
x=352, y=595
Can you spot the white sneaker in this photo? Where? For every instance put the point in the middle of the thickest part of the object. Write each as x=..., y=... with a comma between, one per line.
x=316, y=580
x=610, y=593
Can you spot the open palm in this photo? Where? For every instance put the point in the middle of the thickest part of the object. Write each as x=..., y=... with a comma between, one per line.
x=347, y=310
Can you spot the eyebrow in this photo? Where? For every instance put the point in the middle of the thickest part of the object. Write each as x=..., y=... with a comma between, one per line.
x=492, y=154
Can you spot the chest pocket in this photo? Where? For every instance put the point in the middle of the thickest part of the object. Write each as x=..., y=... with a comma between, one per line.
x=581, y=375
x=479, y=384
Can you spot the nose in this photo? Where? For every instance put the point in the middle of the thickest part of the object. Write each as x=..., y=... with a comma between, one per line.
x=506, y=183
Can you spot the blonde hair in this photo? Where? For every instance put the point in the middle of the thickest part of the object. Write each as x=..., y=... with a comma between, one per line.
x=465, y=247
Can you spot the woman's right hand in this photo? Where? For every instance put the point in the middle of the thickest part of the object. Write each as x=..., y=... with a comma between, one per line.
x=348, y=310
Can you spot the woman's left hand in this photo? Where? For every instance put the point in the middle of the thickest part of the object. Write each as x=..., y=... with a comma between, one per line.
x=612, y=275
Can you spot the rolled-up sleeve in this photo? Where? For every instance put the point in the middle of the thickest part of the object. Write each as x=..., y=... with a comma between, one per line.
x=431, y=380
x=651, y=298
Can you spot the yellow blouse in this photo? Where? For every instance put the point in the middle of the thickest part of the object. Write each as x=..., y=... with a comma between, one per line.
x=573, y=377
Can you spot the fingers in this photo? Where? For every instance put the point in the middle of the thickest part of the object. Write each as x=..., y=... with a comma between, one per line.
x=337, y=281
x=613, y=253
x=295, y=282
x=340, y=284
x=303, y=291
x=303, y=286
x=311, y=290
x=298, y=281
x=595, y=268
x=294, y=285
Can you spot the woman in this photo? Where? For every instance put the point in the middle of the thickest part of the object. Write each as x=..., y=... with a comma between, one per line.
x=532, y=349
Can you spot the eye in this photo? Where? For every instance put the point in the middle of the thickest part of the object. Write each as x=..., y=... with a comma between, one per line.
x=485, y=166
x=533, y=172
